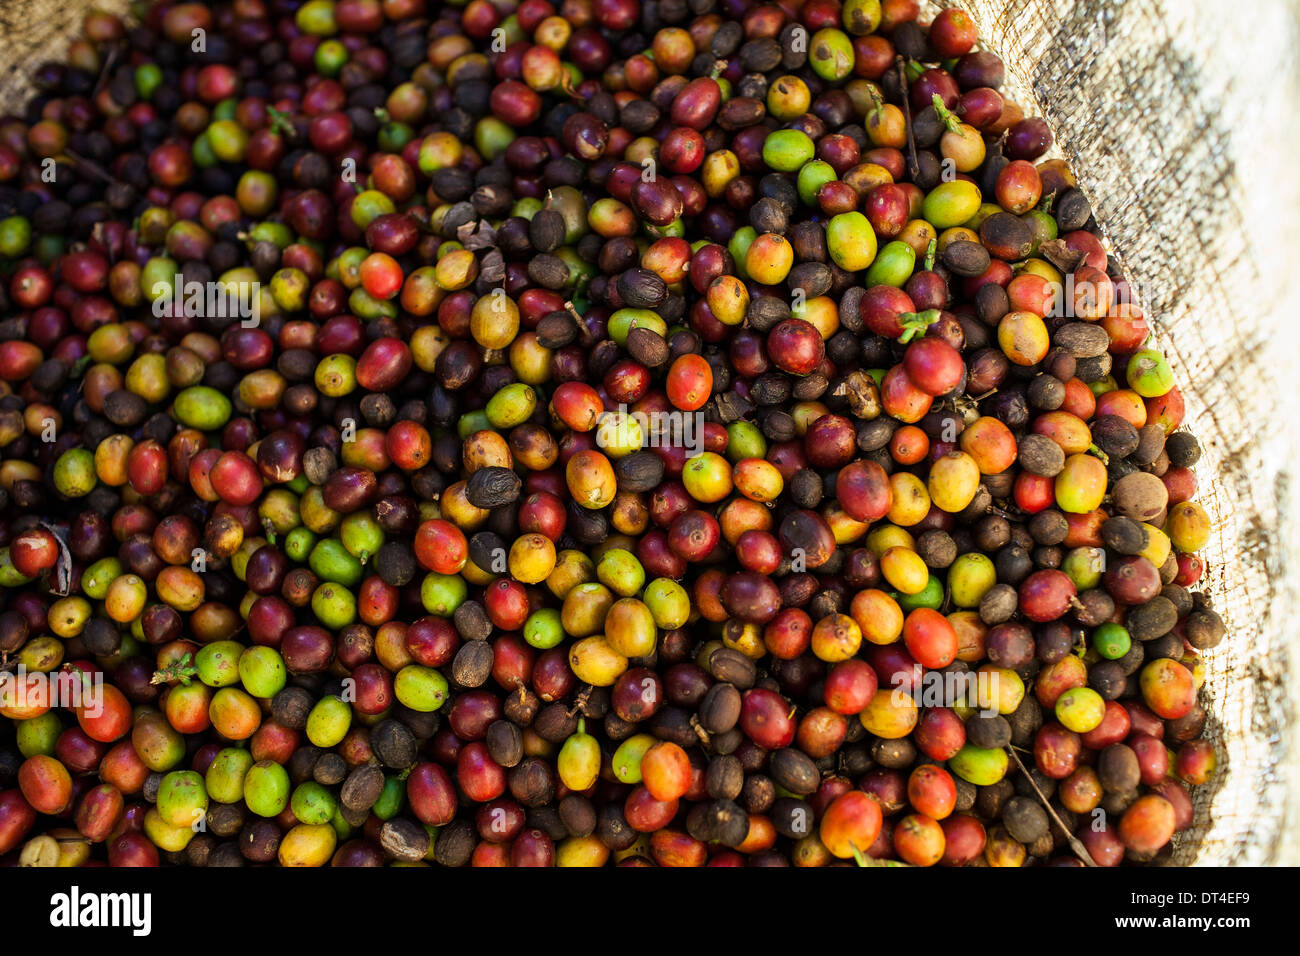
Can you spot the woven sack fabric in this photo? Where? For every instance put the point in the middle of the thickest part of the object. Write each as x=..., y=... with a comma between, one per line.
x=1175, y=116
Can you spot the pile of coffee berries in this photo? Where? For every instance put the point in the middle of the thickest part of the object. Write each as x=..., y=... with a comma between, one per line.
x=577, y=432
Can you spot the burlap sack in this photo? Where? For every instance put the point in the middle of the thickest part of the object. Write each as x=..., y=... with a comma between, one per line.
x=1179, y=118
x=1176, y=117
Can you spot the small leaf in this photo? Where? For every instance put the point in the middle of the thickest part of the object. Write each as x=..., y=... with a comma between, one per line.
x=492, y=270
x=860, y=390
x=61, y=573
x=1060, y=255
x=476, y=236
x=179, y=670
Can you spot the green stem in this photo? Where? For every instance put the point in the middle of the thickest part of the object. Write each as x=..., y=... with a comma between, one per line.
x=877, y=101
x=1105, y=458
x=280, y=122
x=915, y=323
x=949, y=119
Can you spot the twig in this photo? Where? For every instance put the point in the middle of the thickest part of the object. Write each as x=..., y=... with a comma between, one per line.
x=1075, y=844
x=1010, y=513
x=109, y=62
x=580, y=702
x=89, y=166
x=914, y=164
